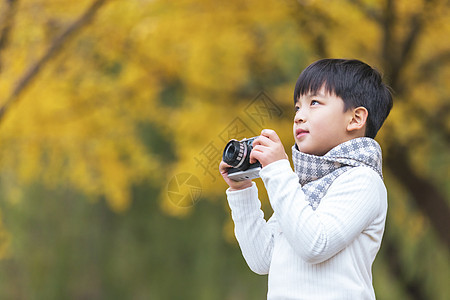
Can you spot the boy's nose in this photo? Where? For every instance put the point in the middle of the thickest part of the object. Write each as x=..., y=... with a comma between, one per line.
x=299, y=116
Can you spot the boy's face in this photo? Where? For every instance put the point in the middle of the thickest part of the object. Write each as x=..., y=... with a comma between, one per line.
x=320, y=123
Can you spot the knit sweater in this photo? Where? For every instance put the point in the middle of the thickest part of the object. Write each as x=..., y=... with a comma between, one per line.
x=322, y=254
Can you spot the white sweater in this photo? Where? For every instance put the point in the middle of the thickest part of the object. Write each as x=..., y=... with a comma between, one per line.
x=322, y=254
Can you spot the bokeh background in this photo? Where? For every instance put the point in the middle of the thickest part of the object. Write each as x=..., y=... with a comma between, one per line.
x=114, y=114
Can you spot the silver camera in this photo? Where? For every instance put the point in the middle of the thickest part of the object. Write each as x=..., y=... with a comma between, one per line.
x=237, y=155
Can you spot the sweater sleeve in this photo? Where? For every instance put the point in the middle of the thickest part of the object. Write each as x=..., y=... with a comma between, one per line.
x=255, y=236
x=352, y=202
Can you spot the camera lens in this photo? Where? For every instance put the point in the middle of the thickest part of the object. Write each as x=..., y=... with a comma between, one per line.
x=237, y=154
x=231, y=153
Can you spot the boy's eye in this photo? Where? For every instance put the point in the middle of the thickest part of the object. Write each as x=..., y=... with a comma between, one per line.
x=296, y=108
x=314, y=102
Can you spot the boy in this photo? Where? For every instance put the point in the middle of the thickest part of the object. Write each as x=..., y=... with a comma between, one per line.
x=329, y=214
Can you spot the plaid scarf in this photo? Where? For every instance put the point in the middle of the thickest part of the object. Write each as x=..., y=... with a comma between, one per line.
x=317, y=173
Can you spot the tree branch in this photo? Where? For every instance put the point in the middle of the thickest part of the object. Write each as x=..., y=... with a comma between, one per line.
x=395, y=62
x=307, y=19
x=416, y=27
x=53, y=50
x=370, y=13
x=413, y=287
x=6, y=26
x=387, y=47
x=430, y=201
x=428, y=67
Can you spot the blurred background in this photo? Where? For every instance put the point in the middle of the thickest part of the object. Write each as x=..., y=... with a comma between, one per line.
x=114, y=114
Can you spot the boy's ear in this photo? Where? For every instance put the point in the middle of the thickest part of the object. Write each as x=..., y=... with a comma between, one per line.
x=358, y=119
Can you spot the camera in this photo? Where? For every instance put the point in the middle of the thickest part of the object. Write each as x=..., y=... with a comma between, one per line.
x=237, y=155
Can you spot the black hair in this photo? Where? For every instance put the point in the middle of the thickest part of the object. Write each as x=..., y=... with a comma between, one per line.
x=357, y=83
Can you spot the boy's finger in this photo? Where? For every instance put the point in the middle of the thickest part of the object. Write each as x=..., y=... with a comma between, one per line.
x=223, y=167
x=257, y=153
x=271, y=134
x=254, y=156
x=261, y=140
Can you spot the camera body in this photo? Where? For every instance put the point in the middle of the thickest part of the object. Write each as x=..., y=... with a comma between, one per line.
x=237, y=155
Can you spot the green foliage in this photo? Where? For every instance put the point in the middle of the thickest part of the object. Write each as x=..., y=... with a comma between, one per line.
x=66, y=247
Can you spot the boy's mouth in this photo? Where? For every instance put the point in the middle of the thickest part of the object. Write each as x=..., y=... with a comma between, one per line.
x=300, y=132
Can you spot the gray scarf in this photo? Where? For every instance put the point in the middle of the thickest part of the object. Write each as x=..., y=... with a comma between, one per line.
x=317, y=173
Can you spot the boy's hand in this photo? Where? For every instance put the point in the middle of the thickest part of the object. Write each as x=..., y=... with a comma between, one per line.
x=267, y=148
x=234, y=185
